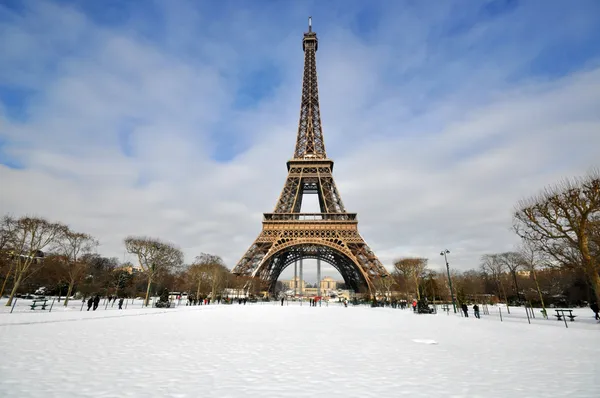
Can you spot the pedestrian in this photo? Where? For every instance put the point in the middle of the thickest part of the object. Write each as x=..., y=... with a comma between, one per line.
x=414, y=305
x=282, y=301
x=595, y=309
x=465, y=310
x=96, y=302
x=121, y=303
x=476, y=311
x=90, y=302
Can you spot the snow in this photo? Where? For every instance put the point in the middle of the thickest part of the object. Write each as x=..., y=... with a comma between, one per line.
x=425, y=341
x=292, y=351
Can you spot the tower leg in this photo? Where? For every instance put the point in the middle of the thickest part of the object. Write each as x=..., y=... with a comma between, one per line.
x=318, y=277
x=301, y=280
x=295, y=278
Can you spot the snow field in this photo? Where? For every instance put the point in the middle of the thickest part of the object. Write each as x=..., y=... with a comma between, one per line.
x=291, y=351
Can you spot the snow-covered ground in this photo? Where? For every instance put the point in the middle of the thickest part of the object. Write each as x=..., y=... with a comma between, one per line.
x=265, y=350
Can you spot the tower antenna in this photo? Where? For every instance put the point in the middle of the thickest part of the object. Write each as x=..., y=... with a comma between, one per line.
x=310, y=24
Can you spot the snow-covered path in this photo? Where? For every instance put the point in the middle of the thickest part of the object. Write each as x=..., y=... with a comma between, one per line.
x=291, y=351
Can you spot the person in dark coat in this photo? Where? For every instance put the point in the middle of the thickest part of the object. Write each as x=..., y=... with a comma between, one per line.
x=96, y=302
x=465, y=310
x=121, y=303
x=595, y=309
x=282, y=301
x=90, y=302
x=476, y=311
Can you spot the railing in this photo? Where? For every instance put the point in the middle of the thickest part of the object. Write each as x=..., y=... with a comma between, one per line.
x=310, y=216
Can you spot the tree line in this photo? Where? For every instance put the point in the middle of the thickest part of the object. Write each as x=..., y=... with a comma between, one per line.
x=35, y=252
x=557, y=261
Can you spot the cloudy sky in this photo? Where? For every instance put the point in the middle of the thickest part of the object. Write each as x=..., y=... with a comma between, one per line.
x=175, y=119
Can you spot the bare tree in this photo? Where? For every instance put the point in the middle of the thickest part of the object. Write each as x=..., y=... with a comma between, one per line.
x=383, y=285
x=532, y=260
x=73, y=245
x=6, y=231
x=513, y=262
x=490, y=263
x=6, y=234
x=560, y=223
x=28, y=237
x=412, y=269
x=210, y=270
x=154, y=256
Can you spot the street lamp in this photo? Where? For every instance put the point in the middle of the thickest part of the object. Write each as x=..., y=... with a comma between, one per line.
x=443, y=253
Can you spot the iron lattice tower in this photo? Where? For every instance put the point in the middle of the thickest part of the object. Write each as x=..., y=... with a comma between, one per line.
x=331, y=235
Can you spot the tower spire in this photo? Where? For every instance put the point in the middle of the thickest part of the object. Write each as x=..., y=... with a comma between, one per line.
x=309, y=142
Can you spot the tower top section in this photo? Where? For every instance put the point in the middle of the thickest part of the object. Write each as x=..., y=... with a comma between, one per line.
x=309, y=142
x=310, y=38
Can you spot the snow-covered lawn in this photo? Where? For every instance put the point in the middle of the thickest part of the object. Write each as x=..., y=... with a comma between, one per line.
x=265, y=350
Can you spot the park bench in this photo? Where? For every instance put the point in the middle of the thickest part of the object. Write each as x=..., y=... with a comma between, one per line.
x=561, y=313
x=43, y=301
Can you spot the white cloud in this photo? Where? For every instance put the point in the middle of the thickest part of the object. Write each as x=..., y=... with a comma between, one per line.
x=424, y=172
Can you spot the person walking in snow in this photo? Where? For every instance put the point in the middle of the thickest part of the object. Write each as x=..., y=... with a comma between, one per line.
x=121, y=303
x=90, y=302
x=96, y=302
x=595, y=309
x=476, y=311
x=465, y=310
x=282, y=301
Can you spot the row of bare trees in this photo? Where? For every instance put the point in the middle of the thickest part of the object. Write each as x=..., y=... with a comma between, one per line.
x=558, y=259
x=24, y=240
x=35, y=252
x=501, y=277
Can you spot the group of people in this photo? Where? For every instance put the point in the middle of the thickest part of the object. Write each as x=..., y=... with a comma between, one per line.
x=95, y=300
x=195, y=301
x=465, y=310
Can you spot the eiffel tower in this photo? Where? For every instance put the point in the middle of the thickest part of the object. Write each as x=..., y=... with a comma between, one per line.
x=289, y=236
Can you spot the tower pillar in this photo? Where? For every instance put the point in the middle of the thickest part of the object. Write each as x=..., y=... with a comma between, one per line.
x=301, y=280
x=319, y=277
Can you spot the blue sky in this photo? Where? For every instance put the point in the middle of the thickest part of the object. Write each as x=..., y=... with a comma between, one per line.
x=192, y=107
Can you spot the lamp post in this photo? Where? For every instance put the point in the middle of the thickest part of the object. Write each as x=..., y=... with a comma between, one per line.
x=444, y=253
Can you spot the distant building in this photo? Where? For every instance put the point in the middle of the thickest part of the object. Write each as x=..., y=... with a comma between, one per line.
x=328, y=283
x=328, y=286
x=295, y=283
x=130, y=269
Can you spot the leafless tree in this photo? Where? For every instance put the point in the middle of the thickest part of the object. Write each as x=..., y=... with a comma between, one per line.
x=6, y=233
x=560, y=222
x=154, y=256
x=513, y=262
x=6, y=226
x=533, y=260
x=209, y=270
x=28, y=237
x=383, y=285
x=491, y=264
x=412, y=269
x=73, y=245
